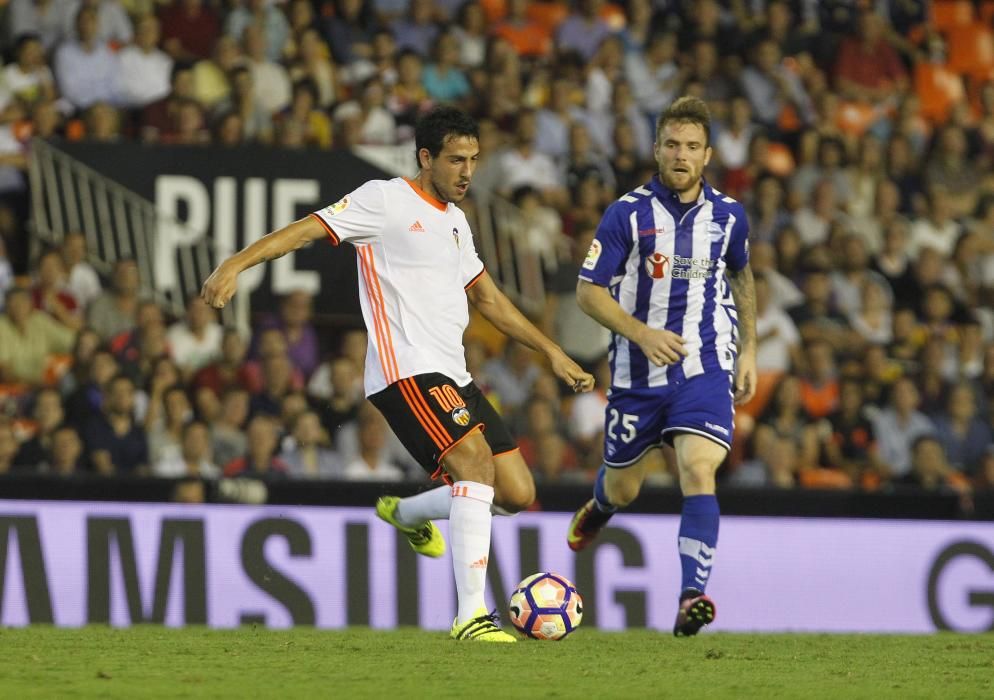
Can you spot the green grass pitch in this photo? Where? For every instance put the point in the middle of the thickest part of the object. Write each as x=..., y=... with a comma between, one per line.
x=146, y=662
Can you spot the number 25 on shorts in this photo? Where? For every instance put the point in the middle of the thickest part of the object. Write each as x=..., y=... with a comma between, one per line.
x=628, y=422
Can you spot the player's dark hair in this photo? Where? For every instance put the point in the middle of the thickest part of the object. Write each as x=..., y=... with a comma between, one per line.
x=440, y=125
x=687, y=110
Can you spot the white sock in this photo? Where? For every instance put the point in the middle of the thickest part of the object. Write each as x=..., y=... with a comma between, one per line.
x=433, y=504
x=469, y=535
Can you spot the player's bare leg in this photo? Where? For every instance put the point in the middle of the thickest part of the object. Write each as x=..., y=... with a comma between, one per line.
x=514, y=491
x=698, y=459
x=615, y=488
x=470, y=464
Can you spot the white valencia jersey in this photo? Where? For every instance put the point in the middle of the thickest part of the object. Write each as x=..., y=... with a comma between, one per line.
x=416, y=260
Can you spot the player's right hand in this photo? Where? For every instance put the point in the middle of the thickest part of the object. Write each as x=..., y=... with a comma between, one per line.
x=220, y=286
x=661, y=347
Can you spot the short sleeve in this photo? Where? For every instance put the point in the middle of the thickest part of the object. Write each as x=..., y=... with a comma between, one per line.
x=737, y=255
x=470, y=264
x=610, y=248
x=358, y=216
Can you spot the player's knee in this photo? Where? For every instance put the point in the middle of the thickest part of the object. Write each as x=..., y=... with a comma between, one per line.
x=697, y=476
x=622, y=492
x=516, y=497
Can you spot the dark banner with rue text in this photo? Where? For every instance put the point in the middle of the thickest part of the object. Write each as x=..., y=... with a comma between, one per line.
x=72, y=564
x=236, y=196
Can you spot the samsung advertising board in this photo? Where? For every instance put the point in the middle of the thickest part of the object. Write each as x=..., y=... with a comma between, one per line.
x=71, y=564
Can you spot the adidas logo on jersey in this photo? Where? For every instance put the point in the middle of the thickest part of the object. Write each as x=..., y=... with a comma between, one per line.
x=417, y=227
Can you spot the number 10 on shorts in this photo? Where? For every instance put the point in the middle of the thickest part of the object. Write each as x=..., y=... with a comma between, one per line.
x=628, y=422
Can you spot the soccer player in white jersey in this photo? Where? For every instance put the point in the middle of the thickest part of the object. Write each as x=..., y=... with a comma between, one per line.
x=417, y=269
x=668, y=273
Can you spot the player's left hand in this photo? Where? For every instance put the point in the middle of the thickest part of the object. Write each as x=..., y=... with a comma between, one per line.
x=745, y=378
x=571, y=373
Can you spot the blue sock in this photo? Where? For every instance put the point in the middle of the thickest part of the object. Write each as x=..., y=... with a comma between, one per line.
x=697, y=540
x=600, y=495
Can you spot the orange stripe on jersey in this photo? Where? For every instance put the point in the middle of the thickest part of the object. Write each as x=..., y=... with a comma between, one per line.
x=419, y=414
x=419, y=397
x=380, y=341
x=438, y=204
x=386, y=325
x=335, y=240
x=475, y=280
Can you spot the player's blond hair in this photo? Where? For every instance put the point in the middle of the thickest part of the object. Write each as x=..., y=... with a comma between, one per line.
x=687, y=110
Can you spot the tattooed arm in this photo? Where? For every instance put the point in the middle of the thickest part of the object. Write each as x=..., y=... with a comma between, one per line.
x=221, y=285
x=744, y=294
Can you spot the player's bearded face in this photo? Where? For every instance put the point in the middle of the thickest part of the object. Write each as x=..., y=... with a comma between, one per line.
x=681, y=152
x=452, y=169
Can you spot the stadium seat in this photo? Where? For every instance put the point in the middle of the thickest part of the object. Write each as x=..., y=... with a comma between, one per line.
x=937, y=88
x=947, y=14
x=971, y=51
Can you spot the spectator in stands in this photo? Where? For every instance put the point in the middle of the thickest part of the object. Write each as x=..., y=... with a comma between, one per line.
x=964, y=437
x=313, y=64
x=229, y=369
x=189, y=29
x=528, y=38
x=29, y=78
x=375, y=123
x=303, y=115
x=168, y=411
x=276, y=384
x=115, y=441
x=28, y=339
x=349, y=30
x=257, y=123
x=867, y=68
x=193, y=458
x=227, y=432
x=937, y=229
x=583, y=30
x=66, y=452
x=294, y=324
x=417, y=30
x=83, y=284
x=51, y=293
x=50, y=20
x=210, y=76
x=778, y=344
x=308, y=455
x=816, y=318
x=86, y=69
x=47, y=414
x=586, y=419
x=372, y=461
x=931, y=471
x=145, y=69
x=513, y=375
x=341, y=405
x=113, y=312
x=443, y=80
x=849, y=443
x=655, y=74
x=272, y=23
x=8, y=445
x=777, y=95
x=552, y=122
x=86, y=398
x=195, y=342
x=899, y=425
x=260, y=460
x=785, y=419
x=522, y=164
x=271, y=80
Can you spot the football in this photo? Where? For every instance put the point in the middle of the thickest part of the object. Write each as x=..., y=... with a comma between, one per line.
x=546, y=606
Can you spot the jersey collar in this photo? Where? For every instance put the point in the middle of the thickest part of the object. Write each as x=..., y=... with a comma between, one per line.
x=437, y=203
x=668, y=196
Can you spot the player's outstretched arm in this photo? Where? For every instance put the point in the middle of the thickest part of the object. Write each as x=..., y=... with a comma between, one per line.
x=661, y=347
x=221, y=285
x=744, y=294
x=498, y=309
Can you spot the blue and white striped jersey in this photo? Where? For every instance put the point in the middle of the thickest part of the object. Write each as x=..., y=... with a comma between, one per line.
x=664, y=263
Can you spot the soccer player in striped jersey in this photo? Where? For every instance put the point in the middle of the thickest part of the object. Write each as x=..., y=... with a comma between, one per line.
x=418, y=268
x=668, y=273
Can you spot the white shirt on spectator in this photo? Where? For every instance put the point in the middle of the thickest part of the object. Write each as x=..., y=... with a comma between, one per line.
x=535, y=169
x=24, y=17
x=87, y=77
x=272, y=85
x=895, y=438
x=175, y=467
x=113, y=23
x=190, y=352
x=379, y=127
x=925, y=234
x=358, y=470
x=84, y=283
x=17, y=82
x=145, y=77
x=777, y=334
x=586, y=417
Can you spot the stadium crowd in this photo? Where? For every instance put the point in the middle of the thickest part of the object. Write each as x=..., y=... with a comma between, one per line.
x=859, y=135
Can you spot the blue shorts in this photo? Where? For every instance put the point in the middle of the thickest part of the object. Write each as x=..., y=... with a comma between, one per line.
x=638, y=419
